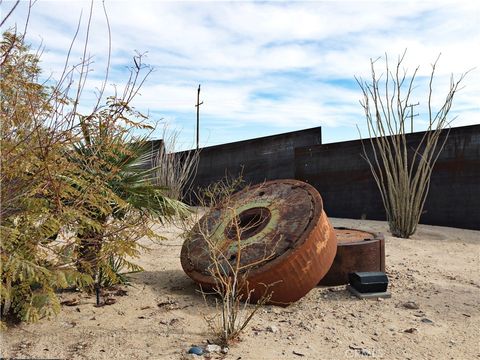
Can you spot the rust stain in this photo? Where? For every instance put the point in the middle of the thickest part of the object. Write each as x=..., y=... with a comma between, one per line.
x=357, y=250
x=284, y=235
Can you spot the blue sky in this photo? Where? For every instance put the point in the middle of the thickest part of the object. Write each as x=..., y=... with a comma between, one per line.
x=265, y=67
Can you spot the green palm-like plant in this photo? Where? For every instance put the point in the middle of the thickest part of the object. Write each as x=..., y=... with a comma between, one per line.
x=130, y=199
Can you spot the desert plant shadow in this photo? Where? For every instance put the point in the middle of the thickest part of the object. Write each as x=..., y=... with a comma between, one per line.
x=167, y=282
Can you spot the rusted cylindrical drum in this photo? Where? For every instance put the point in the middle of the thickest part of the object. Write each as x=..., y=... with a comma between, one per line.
x=357, y=250
x=286, y=241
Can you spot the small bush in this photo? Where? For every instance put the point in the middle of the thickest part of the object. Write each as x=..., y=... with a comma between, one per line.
x=234, y=310
x=75, y=195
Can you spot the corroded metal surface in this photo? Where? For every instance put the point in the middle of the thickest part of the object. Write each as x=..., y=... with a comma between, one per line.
x=357, y=250
x=345, y=235
x=285, y=237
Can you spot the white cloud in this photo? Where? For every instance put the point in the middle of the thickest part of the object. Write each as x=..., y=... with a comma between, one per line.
x=265, y=67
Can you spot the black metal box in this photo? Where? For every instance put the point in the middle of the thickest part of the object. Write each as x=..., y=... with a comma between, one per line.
x=369, y=282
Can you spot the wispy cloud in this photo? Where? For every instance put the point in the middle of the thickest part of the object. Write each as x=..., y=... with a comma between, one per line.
x=265, y=67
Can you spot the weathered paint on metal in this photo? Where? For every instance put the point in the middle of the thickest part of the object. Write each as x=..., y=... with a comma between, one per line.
x=289, y=240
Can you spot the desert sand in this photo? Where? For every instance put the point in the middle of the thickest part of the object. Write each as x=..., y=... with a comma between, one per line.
x=162, y=314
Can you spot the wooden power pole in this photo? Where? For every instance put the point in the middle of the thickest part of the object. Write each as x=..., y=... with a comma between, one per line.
x=198, y=115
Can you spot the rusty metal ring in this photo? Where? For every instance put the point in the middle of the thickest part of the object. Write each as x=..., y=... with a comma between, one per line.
x=286, y=239
x=357, y=250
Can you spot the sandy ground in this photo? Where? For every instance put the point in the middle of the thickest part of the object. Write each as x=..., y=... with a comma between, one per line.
x=163, y=313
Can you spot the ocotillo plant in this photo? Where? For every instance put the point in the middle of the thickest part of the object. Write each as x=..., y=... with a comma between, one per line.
x=401, y=173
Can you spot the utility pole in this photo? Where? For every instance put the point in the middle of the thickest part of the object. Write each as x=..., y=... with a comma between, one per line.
x=412, y=115
x=198, y=115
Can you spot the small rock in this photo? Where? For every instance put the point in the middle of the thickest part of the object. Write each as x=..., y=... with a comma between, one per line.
x=196, y=350
x=80, y=346
x=364, y=352
x=121, y=292
x=213, y=348
x=297, y=353
x=411, y=305
x=305, y=326
x=110, y=301
x=225, y=350
x=426, y=321
x=410, y=330
x=272, y=329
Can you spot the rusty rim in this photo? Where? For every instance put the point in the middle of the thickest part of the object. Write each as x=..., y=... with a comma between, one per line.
x=285, y=229
x=357, y=250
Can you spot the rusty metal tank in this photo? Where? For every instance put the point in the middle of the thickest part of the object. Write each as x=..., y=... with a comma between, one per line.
x=357, y=250
x=286, y=238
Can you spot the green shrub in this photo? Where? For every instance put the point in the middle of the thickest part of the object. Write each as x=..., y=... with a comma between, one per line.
x=76, y=197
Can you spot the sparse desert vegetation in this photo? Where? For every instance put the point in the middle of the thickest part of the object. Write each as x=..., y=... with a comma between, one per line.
x=433, y=312
x=93, y=221
x=76, y=196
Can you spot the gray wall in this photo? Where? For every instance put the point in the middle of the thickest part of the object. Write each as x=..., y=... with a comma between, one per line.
x=347, y=187
x=260, y=159
x=343, y=178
